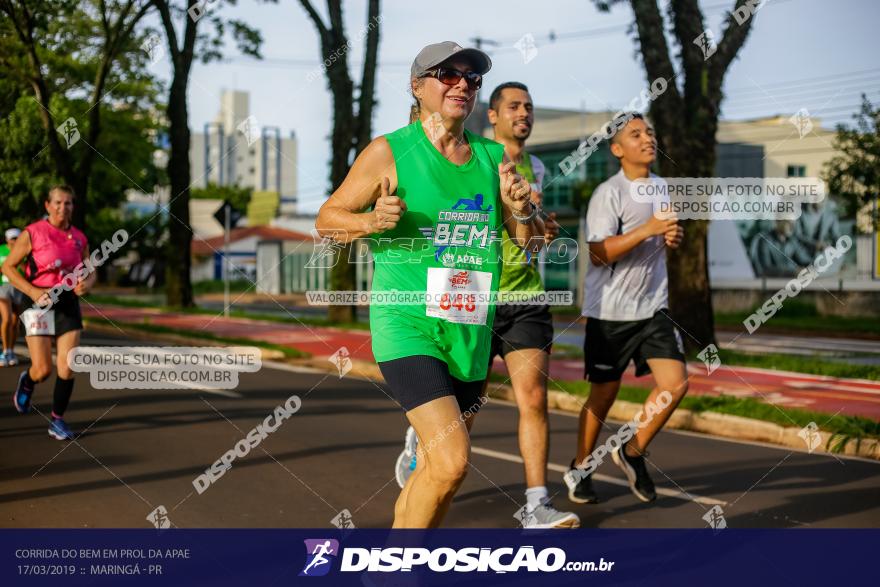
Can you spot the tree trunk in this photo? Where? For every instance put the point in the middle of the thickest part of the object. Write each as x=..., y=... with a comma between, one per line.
x=350, y=133
x=691, y=153
x=178, y=285
x=80, y=185
x=342, y=275
x=690, y=296
x=686, y=122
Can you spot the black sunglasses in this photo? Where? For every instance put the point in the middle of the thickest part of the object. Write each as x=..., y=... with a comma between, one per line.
x=451, y=77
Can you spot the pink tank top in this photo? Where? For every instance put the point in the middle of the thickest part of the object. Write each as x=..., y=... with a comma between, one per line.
x=55, y=252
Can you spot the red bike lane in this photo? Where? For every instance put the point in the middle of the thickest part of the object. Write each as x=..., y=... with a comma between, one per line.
x=829, y=395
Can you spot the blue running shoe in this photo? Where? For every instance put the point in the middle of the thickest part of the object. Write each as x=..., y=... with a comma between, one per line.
x=59, y=430
x=11, y=359
x=22, y=397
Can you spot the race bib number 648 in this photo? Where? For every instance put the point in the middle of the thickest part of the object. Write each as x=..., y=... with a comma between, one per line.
x=455, y=295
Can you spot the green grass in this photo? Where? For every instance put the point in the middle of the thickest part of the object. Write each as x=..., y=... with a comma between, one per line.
x=216, y=286
x=117, y=301
x=843, y=428
x=289, y=353
x=796, y=316
x=284, y=319
x=567, y=351
x=800, y=364
x=574, y=311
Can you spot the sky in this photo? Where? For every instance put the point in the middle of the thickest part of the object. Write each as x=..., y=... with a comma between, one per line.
x=811, y=54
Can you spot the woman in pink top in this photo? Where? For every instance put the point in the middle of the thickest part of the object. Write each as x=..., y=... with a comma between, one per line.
x=52, y=249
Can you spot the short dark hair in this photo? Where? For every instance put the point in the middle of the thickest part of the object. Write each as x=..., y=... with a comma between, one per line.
x=496, y=93
x=626, y=117
x=62, y=187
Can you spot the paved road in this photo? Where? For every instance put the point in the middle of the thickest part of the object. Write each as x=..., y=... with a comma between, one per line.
x=143, y=449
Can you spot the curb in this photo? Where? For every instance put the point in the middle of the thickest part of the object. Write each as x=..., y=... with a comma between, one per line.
x=709, y=423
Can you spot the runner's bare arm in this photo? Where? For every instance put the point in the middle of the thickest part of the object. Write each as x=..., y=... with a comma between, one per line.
x=20, y=250
x=515, y=194
x=613, y=248
x=545, y=224
x=83, y=287
x=345, y=216
x=551, y=229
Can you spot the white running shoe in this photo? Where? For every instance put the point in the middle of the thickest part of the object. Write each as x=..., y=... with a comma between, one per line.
x=547, y=516
x=406, y=462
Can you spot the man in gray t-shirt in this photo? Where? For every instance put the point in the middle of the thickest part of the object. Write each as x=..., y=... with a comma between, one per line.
x=625, y=302
x=633, y=287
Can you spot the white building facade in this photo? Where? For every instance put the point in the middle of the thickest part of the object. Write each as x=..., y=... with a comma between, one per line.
x=239, y=149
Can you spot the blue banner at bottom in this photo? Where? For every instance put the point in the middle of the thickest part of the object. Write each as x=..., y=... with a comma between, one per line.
x=439, y=557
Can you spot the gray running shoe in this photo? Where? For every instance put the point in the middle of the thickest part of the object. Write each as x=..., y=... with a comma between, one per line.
x=547, y=516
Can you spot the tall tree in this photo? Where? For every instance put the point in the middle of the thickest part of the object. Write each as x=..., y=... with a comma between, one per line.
x=182, y=52
x=685, y=117
x=38, y=47
x=26, y=166
x=352, y=128
x=854, y=174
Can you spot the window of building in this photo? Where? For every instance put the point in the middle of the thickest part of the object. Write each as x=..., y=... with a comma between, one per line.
x=797, y=171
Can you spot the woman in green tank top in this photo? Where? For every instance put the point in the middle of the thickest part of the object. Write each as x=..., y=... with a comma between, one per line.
x=433, y=199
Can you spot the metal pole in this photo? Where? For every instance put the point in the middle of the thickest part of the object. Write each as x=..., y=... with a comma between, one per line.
x=226, y=208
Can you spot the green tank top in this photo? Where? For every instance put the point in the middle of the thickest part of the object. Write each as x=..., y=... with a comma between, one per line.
x=4, y=252
x=446, y=245
x=520, y=272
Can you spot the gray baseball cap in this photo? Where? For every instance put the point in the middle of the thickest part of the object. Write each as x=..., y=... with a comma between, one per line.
x=433, y=55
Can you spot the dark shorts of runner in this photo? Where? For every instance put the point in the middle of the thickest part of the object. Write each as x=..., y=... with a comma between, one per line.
x=519, y=327
x=68, y=316
x=609, y=345
x=420, y=379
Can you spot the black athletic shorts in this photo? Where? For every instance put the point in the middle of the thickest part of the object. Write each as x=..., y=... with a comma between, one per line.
x=518, y=327
x=609, y=345
x=68, y=316
x=418, y=379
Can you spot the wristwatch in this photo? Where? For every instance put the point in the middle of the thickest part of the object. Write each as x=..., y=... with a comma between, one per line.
x=526, y=219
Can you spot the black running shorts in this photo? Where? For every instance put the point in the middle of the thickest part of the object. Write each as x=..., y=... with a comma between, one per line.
x=418, y=379
x=609, y=345
x=519, y=327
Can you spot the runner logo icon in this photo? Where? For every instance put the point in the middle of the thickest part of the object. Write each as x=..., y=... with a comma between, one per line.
x=320, y=553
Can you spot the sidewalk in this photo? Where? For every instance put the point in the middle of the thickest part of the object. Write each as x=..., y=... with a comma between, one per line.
x=824, y=394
